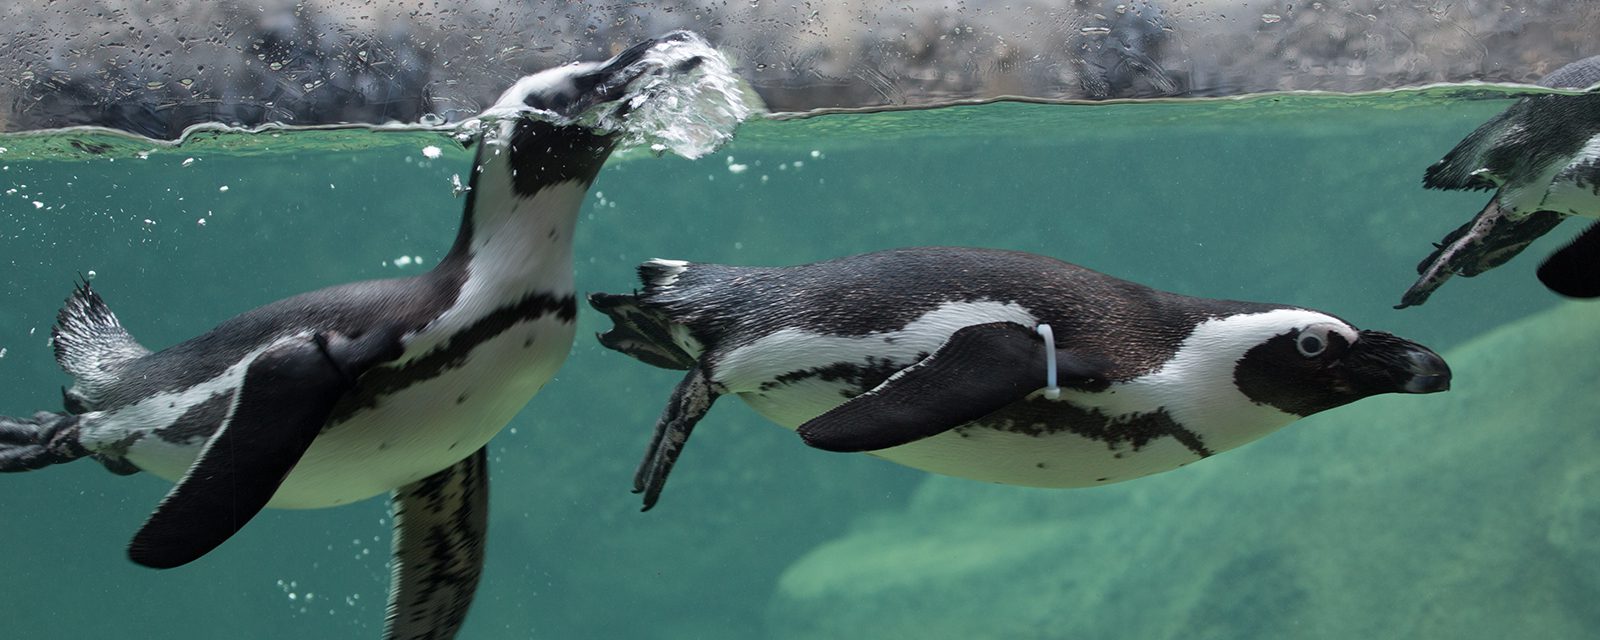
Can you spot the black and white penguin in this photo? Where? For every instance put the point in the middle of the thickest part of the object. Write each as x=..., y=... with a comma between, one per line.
x=1542, y=158
x=337, y=395
x=993, y=365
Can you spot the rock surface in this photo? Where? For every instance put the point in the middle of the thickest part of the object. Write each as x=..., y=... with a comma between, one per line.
x=1466, y=514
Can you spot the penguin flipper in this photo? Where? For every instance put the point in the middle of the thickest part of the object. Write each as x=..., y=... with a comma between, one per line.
x=979, y=370
x=440, y=523
x=1574, y=270
x=690, y=401
x=288, y=392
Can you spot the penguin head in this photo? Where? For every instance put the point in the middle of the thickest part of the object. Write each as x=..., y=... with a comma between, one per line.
x=570, y=90
x=1316, y=362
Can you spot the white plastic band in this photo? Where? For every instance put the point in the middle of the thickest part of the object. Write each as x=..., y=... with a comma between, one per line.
x=1051, y=391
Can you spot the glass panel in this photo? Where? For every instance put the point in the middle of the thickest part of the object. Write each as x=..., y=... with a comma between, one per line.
x=155, y=67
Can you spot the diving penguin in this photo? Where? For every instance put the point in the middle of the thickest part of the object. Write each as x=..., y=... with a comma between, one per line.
x=993, y=365
x=333, y=396
x=1542, y=158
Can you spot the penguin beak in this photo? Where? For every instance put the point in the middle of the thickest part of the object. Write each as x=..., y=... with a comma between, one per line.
x=1385, y=363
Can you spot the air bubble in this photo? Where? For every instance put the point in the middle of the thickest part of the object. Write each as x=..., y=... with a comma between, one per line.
x=691, y=113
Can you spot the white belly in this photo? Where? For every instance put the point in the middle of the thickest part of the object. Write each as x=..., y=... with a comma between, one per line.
x=432, y=424
x=1059, y=459
x=407, y=436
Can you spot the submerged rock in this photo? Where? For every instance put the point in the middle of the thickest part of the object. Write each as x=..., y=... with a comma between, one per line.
x=1474, y=513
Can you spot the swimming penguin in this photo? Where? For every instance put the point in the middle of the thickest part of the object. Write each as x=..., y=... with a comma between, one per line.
x=1542, y=158
x=993, y=365
x=333, y=396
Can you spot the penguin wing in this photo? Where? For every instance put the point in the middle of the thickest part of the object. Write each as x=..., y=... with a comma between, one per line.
x=977, y=371
x=440, y=523
x=287, y=394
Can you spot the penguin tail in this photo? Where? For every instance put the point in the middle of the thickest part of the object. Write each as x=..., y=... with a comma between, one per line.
x=1470, y=165
x=91, y=346
x=660, y=273
x=640, y=331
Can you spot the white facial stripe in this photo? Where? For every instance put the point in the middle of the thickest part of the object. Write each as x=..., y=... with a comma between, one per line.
x=746, y=367
x=1196, y=387
x=513, y=100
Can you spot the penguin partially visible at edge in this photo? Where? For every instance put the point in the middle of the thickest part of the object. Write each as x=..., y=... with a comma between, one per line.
x=337, y=395
x=1542, y=158
x=936, y=358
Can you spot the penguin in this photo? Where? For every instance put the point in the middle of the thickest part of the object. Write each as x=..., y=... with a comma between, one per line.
x=337, y=395
x=993, y=365
x=1541, y=157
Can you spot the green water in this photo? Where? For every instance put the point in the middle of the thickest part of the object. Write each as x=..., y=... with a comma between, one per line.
x=1307, y=200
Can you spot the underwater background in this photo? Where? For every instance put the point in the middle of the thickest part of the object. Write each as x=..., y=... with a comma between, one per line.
x=1468, y=514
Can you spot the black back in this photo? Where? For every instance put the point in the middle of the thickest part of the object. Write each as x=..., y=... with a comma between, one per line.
x=1519, y=143
x=1133, y=327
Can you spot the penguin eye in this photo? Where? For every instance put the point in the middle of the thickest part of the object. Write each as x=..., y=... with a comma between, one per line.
x=1311, y=343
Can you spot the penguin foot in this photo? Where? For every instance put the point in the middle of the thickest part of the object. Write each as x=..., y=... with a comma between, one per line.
x=43, y=440
x=1487, y=241
x=690, y=402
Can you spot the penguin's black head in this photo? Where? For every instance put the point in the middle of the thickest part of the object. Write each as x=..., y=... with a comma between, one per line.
x=561, y=124
x=1321, y=365
x=568, y=91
